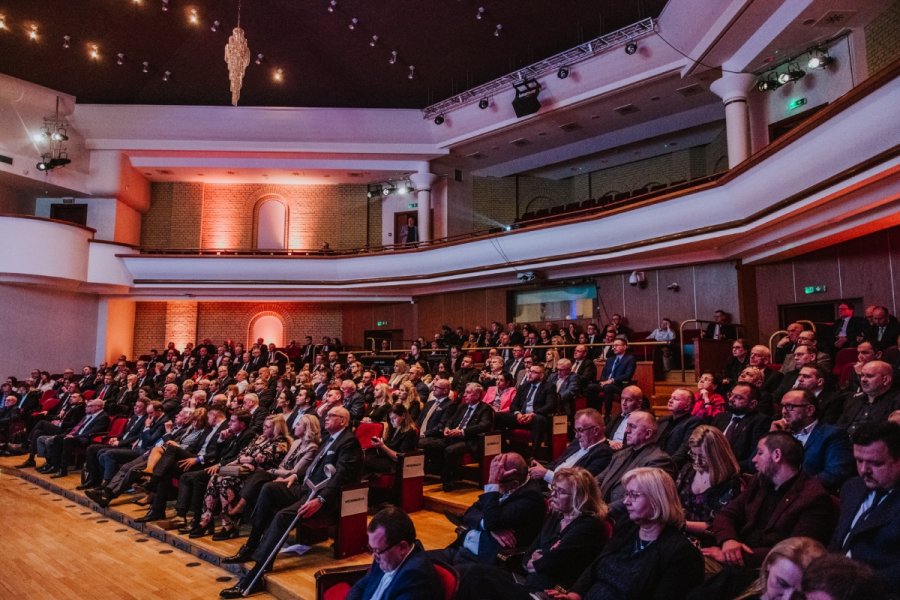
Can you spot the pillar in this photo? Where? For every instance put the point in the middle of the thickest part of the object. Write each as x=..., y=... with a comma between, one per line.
x=423, y=180
x=732, y=88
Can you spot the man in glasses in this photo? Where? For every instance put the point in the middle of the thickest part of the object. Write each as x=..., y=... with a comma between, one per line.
x=400, y=566
x=589, y=450
x=742, y=424
x=826, y=448
x=532, y=408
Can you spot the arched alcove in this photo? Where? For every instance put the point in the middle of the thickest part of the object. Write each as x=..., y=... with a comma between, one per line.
x=269, y=326
x=271, y=216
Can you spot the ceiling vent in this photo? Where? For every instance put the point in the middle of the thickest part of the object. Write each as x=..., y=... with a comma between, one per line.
x=626, y=109
x=690, y=90
x=5, y=159
x=163, y=172
x=352, y=174
x=519, y=143
x=569, y=127
x=836, y=18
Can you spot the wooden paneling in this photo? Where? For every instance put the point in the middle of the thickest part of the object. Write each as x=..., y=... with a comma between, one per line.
x=609, y=290
x=716, y=288
x=865, y=268
x=676, y=305
x=817, y=268
x=641, y=303
x=774, y=285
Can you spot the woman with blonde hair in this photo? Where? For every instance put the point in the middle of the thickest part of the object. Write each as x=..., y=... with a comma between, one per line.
x=377, y=412
x=551, y=357
x=409, y=397
x=573, y=535
x=710, y=481
x=399, y=375
x=781, y=573
x=648, y=556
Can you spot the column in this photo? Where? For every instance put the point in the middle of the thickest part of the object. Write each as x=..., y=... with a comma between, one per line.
x=732, y=88
x=423, y=180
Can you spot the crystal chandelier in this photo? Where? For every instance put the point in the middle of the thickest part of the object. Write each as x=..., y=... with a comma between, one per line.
x=237, y=57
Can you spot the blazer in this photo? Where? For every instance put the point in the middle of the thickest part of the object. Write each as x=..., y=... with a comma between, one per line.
x=565, y=554
x=674, y=432
x=806, y=509
x=856, y=328
x=727, y=331
x=852, y=416
x=594, y=460
x=624, y=370
x=522, y=512
x=828, y=456
x=98, y=425
x=610, y=479
x=415, y=579
x=874, y=541
x=745, y=435
x=569, y=389
x=481, y=421
x=346, y=456
x=545, y=399
x=587, y=371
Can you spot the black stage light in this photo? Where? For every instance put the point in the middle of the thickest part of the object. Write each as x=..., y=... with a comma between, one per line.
x=526, y=101
x=563, y=72
x=631, y=48
x=483, y=103
x=439, y=120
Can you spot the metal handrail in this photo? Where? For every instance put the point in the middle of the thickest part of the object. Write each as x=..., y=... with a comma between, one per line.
x=782, y=333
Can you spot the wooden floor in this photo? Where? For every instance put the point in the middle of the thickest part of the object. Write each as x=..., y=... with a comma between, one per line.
x=70, y=548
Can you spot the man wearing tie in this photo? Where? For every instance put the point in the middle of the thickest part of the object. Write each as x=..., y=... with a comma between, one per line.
x=459, y=434
x=848, y=330
x=59, y=450
x=532, y=408
x=742, y=424
x=517, y=362
x=430, y=418
x=617, y=373
x=868, y=529
x=884, y=329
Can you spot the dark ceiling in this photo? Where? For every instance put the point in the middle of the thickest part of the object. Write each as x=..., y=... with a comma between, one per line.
x=324, y=62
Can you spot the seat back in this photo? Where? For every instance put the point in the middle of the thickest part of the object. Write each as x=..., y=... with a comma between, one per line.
x=117, y=427
x=449, y=577
x=47, y=395
x=366, y=431
x=49, y=404
x=845, y=356
x=88, y=394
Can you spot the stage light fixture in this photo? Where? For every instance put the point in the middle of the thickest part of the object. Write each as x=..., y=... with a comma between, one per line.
x=768, y=84
x=818, y=59
x=791, y=75
x=563, y=72
x=631, y=48
x=66, y=40
x=484, y=103
x=526, y=101
x=439, y=120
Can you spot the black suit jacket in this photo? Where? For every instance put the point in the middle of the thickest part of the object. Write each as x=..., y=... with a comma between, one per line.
x=888, y=339
x=727, y=330
x=545, y=399
x=98, y=425
x=436, y=422
x=415, y=579
x=624, y=370
x=595, y=460
x=875, y=541
x=570, y=388
x=674, y=432
x=745, y=435
x=229, y=450
x=587, y=371
x=346, y=456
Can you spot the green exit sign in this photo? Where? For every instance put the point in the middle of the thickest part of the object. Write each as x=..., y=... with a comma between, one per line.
x=381, y=323
x=815, y=289
x=412, y=205
x=796, y=103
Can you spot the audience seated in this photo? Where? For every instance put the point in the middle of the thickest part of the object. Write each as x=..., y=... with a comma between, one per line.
x=875, y=402
x=632, y=399
x=617, y=373
x=742, y=424
x=674, y=430
x=590, y=450
x=385, y=454
x=648, y=556
x=781, y=573
x=509, y=514
x=532, y=408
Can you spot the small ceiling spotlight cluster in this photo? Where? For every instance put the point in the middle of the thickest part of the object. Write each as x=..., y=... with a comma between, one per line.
x=53, y=135
x=373, y=39
x=379, y=190
x=790, y=71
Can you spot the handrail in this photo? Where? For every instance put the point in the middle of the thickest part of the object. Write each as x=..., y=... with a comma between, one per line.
x=772, y=337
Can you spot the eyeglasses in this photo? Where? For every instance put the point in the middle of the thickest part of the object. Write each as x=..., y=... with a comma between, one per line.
x=380, y=552
x=585, y=429
x=558, y=491
x=633, y=495
x=788, y=406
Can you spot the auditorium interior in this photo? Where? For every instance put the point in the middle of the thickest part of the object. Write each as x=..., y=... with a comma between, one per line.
x=373, y=172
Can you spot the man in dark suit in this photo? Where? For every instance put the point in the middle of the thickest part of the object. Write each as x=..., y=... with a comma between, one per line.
x=868, y=528
x=398, y=555
x=532, y=408
x=61, y=448
x=130, y=434
x=70, y=415
x=720, y=328
x=743, y=425
x=467, y=374
x=641, y=451
x=632, y=400
x=674, y=429
x=590, y=450
x=876, y=400
x=511, y=509
x=517, y=362
x=583, y=366
x=848, y=330
x=109, y=390
x=430, y=420
x=826, y=448
x=338, y=463
x=884, y=329
x=567, y=386
x=617, y=373
x=352, y=401
x=830, y=402
x=257, y=413
x=780, y=502
x=460, y=433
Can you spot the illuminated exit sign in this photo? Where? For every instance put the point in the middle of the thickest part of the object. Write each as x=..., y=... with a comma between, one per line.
x=815, y=289
x=381, y=323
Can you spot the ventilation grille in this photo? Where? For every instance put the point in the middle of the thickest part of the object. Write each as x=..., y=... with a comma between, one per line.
x=627, y=109
x=690, y=90
x=521, y=142
x=836, y=18
x=569, y=127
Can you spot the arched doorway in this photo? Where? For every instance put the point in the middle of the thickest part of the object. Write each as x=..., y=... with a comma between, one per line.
x=271, y=225
x=269, y=327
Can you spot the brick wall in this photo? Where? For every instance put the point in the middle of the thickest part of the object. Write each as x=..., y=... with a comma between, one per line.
x=149, y=327
x=192, y=215
x=221, y=320
x=882, y=42
x=181, y=323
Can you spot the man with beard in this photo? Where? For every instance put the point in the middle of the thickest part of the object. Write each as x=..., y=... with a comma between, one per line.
x=742, y=424
x=876, y=400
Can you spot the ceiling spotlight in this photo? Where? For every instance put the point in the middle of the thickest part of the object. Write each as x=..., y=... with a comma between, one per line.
x=484, y=103
x=818, y=59
x=792, y=74
x=439, y=120
x=166, y=75
x=165, y=5
x=563, y=72
x=497, y=30
x=259, y=58
x=332, y=5
x=59, y=135
x=769, y=84
x=278, y=76
x=480, y=14
x=194, y=17
x=374, y=191
x=388, y=189
x=412, y=72
x=33, y=32
x=393, y=59
x=631, y=48
x=214, y=26
x=44, y=165
x=120, y=58
x=66, y=40
x=373, y=41
x=405, y=187
x=353, y=23
x=146, y=67
x=94, y=52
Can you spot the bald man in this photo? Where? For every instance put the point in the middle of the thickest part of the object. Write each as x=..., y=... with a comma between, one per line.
x=876, y=400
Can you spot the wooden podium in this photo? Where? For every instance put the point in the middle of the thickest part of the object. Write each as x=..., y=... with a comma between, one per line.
x=711, y=355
